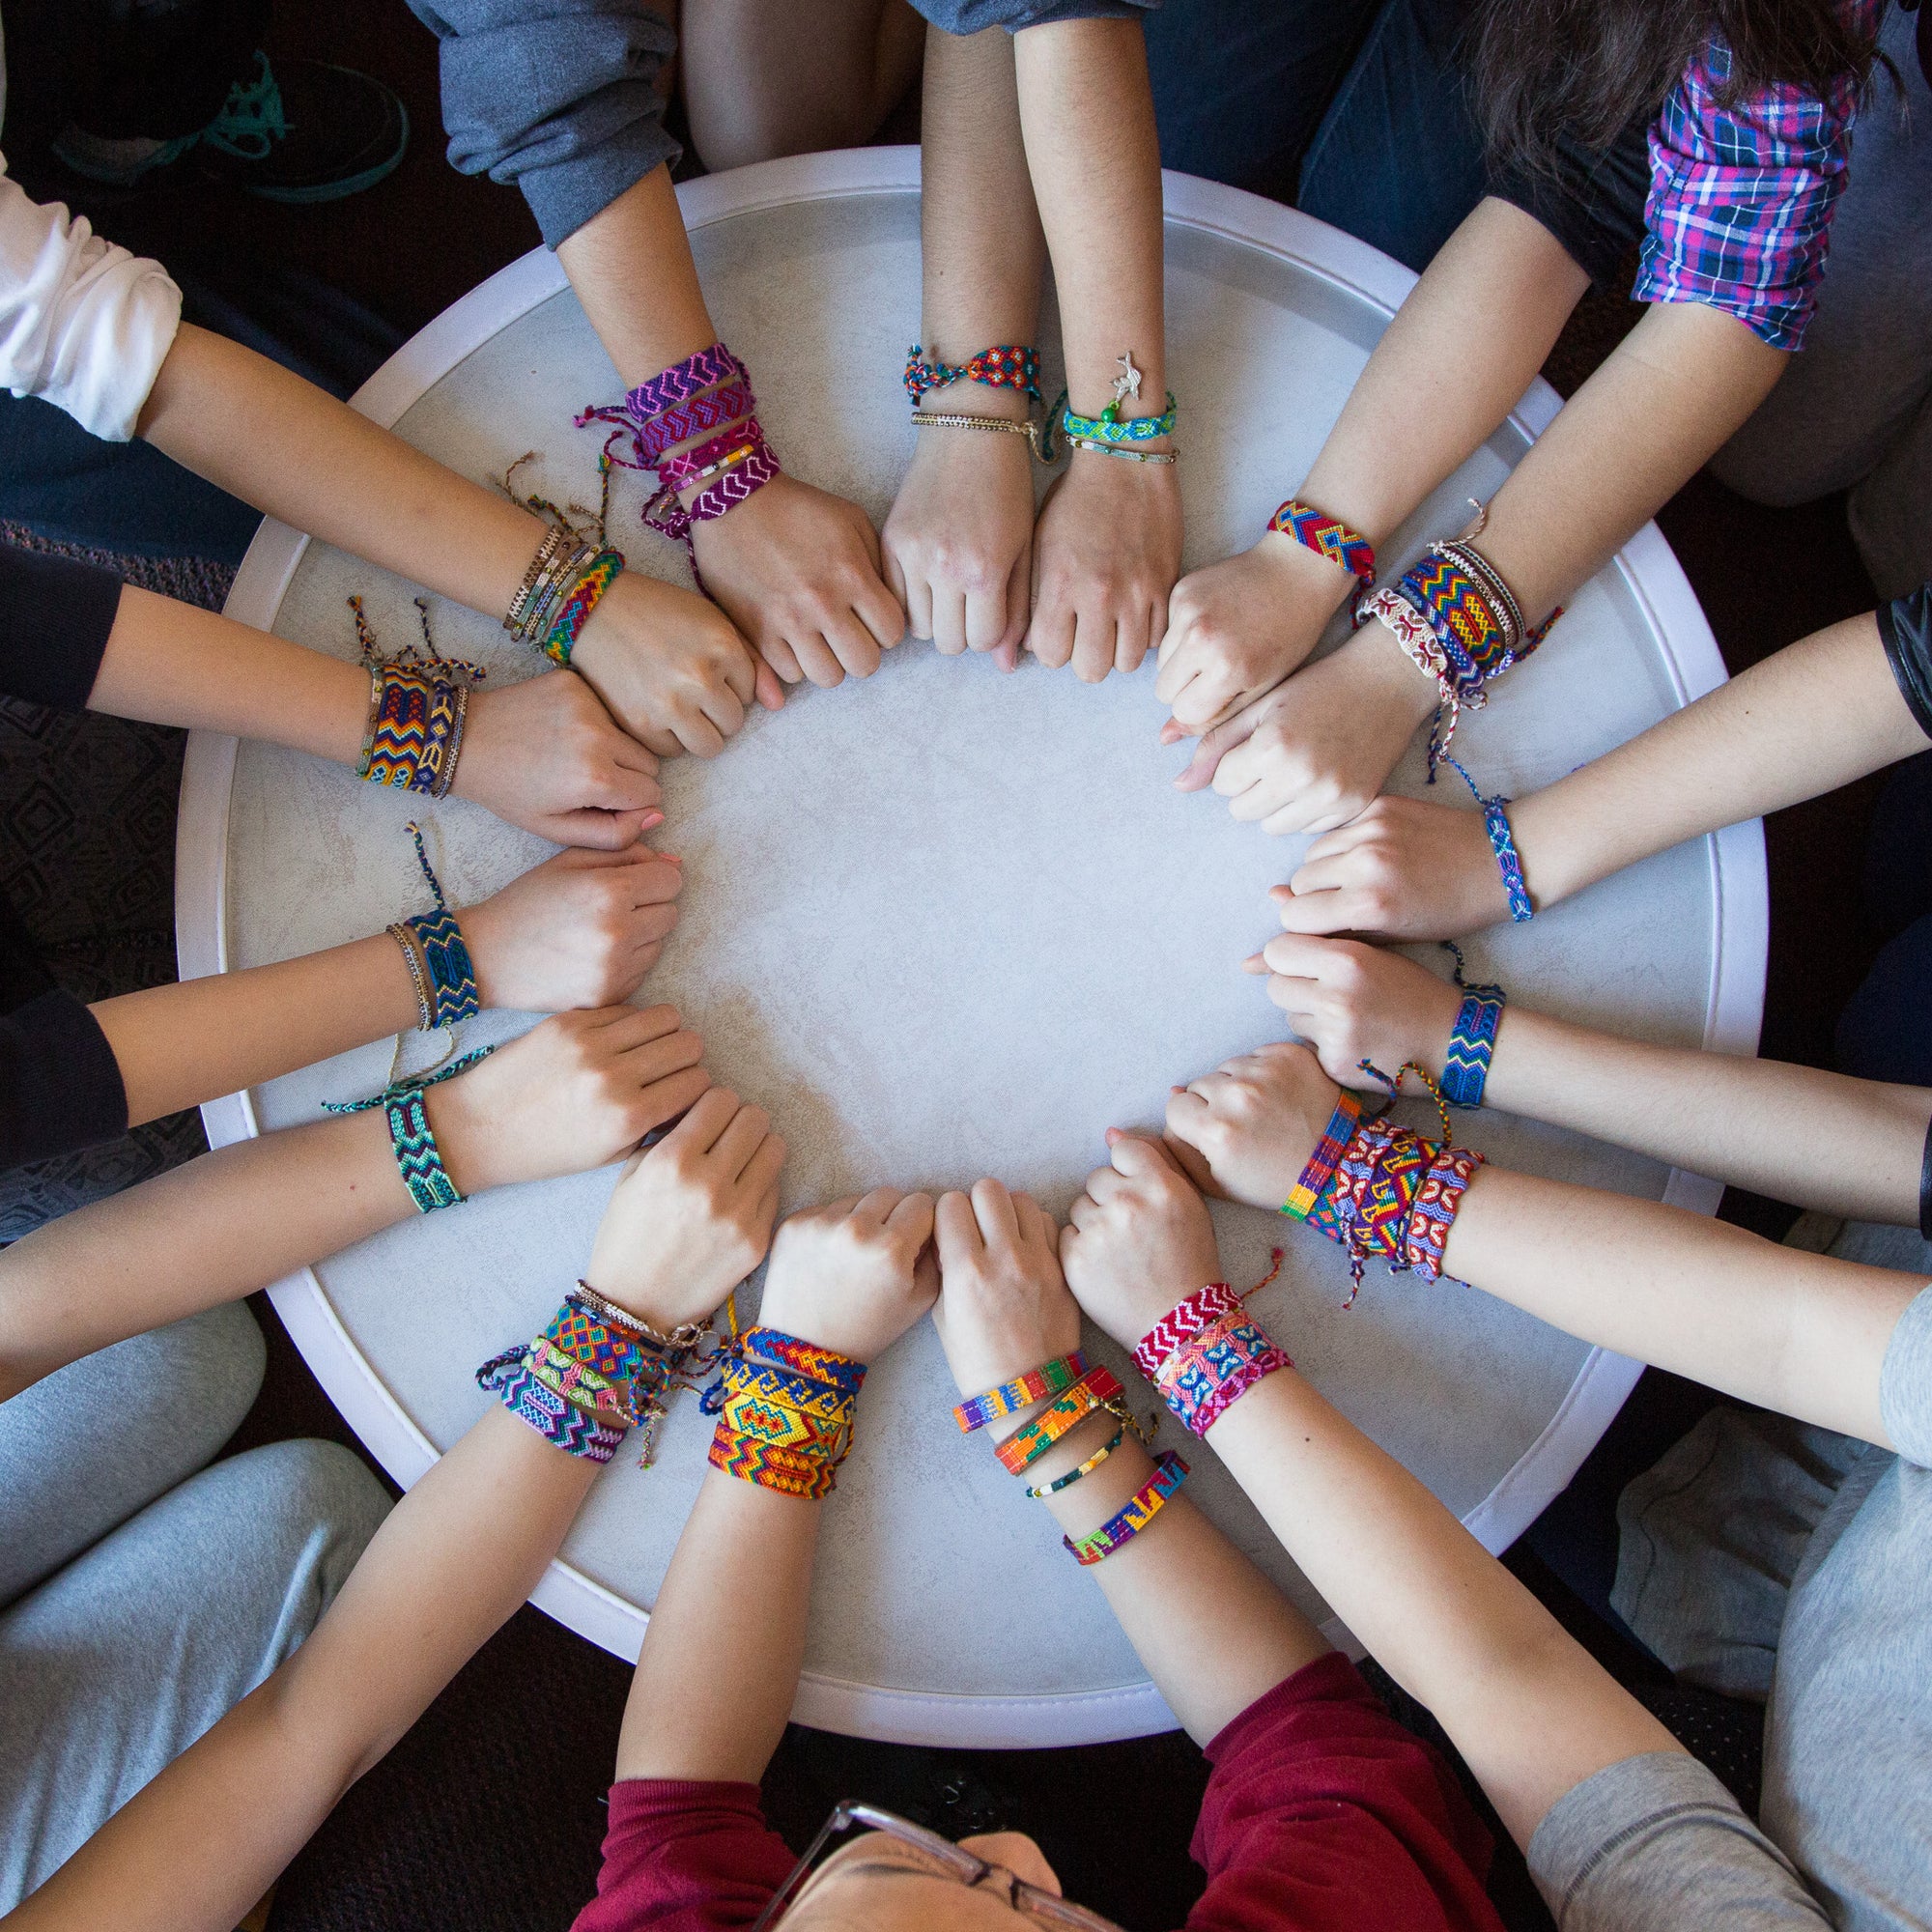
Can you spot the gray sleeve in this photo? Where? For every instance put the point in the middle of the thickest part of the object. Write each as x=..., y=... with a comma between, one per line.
x=1905, y=1384
x=974, y=16
x=1654, y=1844
x=557, y=96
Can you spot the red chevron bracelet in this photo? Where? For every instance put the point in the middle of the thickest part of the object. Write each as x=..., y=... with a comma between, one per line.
x=1181, y=1322
x=1328, y=537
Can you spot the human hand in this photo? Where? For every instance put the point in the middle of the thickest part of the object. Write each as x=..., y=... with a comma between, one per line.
x=849, y=1276
x=581, y=930
x=574, y=1092
x=1311, y=755
x=545, y=754
x=1003, y=1304
x=1353, y=1003
x=1235, y=629
x=1246, y=1129
x=692, y=1216
x=670, y=666
x=1139, y=1240
x=1403, y=868
x=1105, y=556
x=957, y=547
x=797, y=571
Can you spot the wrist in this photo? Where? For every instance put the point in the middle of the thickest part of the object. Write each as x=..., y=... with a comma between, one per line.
x=1388, y=674
x=465, y=1140
x=1305, y=576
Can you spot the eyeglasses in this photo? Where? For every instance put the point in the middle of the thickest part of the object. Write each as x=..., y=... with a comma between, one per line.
x=945, y=1859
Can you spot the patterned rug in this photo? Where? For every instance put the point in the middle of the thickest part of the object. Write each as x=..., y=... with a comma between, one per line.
x=87, y=864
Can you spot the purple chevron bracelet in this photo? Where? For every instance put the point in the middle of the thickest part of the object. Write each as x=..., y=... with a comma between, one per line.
x=683, y=381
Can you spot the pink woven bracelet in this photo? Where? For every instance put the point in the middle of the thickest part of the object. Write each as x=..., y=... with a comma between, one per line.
x=683, y=380
x=1208, y=1374
x=689, y=466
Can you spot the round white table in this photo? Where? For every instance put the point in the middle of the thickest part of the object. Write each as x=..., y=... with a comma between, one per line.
x=945, y=923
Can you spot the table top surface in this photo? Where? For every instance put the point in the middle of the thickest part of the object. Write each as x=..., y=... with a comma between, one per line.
x=946, y=923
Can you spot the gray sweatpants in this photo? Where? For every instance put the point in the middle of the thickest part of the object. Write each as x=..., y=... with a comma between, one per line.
x=140, y=1600
x=1854, y=410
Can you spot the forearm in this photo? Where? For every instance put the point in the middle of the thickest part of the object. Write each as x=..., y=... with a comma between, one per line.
x=1213, y=1633
x=1800, y=724
x=1095, y=160
x=631, y=267
x=719, y=1671
x=201, y=1843
x=179, y=1045
x=1526, y=1706
x=169, y=663
x=1852, y=1148
x=982, y=247
x=1669, y=396
x=1455, y=359
x=208, y=1233
x=1790, y=1331
x=291, y=449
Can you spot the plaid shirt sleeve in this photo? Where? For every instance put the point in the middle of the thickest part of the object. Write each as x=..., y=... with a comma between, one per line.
x=1741, y=197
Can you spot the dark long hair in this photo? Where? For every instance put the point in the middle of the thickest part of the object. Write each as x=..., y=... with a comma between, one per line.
x=1588, y=68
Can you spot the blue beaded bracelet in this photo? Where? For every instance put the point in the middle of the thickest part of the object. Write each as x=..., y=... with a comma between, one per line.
x=1502, y=843
x=1465, y=1067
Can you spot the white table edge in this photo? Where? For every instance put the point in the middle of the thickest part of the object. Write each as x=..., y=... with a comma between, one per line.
x=1734, y=1007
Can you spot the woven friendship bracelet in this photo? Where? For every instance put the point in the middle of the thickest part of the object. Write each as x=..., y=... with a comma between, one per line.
x=1036, y=1385
x=1086, y=1468
x=1181, y=1322
x=410, y=1140
x=688, y=467
x=1322, y=1162
x=781, y=1429
x=637, y=1369
x=1502, y=843
x=1098, y=1388
x=1365, y=1211
x=1107, y=427
x=415, y=730
x=1426, y=1232
x=804, y=1359
x=683, y=380
x=1011, y=366
x=579, y=602
x=553, y=585
x=1466, y=1066
x=1169, y=1472
x=555, y=1418
x=439, y=958
x=1328, y=537
x=725, y=491
x=1208, y=1373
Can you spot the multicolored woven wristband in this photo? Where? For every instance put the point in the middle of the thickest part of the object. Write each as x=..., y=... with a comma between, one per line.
x=411, y=1140
x=1169, y=1473
x=579, y=601
x=1466, y=1066
x=1203, y=1378
x=1036, y=1385
x=1098, y=1388
x=1328, y=537
x=1322, y=1163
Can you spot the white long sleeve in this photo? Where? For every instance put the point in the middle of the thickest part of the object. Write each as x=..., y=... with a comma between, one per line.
x=83, y=323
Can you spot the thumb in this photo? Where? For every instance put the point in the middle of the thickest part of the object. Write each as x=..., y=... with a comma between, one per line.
x=1215, y=746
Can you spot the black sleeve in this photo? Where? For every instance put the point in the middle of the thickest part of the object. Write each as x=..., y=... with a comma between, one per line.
x=1906, y=626
x=60, y=1087
x=1593, y=204
x=55, y=614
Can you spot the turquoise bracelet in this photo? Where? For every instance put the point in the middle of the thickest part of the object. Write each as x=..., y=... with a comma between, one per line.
x=1107, y=427
x=411, y=1140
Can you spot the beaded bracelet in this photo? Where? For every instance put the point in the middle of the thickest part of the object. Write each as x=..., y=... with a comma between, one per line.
x=1328, y=537
x=1322, y=1163
x=1098, y=1388
x=1011, y=366
x=555, y=538
x=1502, y=843
x=440, y=968
x=1036, y=1385
x=998, y=425
x=1466, y=1066
x=582, y=597
x=1169, y=1472
x=1128, y=454
x=411, y=1141
x=1086, y=1468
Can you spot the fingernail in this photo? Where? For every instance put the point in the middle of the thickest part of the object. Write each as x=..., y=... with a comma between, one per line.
x=672, y=858
x=1281, y=894
x=1254, y=964
x=650, y=821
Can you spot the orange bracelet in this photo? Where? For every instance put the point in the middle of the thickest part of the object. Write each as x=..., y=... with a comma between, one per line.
x=1096, y=1389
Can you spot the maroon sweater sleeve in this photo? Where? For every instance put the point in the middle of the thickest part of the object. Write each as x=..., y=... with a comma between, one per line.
x=1323, y=1812
x=685, y=1857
